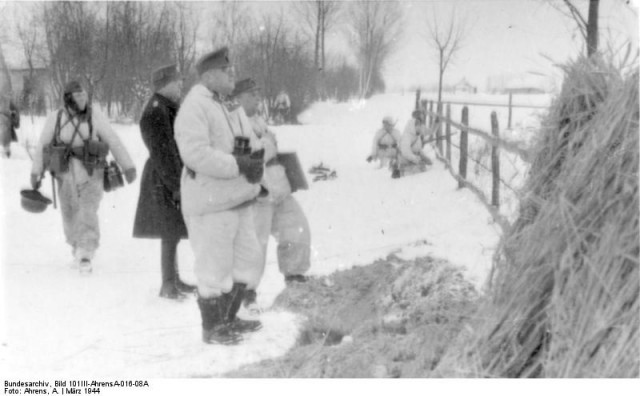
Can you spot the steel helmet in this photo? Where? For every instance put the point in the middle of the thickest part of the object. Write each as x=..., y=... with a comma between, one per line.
x=33, y=201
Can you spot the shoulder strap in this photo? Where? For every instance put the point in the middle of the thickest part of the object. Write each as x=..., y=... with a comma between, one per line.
x=90, y=122
x=56, y=136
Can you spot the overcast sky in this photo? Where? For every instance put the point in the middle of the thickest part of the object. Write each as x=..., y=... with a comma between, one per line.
x=504, y=37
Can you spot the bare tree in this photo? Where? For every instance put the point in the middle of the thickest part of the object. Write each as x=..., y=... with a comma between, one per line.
x=446, y=40
x=318, y=17
x=73, y=42
x=376, y=27
x=588, y=27
x=5, y=97
x=186, y=29
x=231, y=22
x=278, y=58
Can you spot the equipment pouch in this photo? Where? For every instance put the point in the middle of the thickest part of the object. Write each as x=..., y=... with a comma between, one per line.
x=112, y=177
x=94, y=155
x=56, y=158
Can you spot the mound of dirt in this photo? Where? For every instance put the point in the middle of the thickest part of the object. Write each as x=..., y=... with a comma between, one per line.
x=392, y=318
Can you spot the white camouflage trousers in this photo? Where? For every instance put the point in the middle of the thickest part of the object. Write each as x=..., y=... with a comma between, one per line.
x=226, y=250
x=289, y=226
x=79, y=203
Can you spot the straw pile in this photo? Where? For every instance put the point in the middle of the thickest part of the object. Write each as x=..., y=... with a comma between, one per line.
x=563, y=298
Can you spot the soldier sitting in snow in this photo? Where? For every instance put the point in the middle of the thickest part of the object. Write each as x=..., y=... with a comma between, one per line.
x=412, y=159
x=385, y=143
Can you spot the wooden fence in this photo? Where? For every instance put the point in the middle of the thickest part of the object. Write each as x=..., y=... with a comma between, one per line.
x=437, y=120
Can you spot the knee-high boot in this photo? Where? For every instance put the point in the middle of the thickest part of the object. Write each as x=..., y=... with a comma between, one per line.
x=216, y=329
x=235, y=298
x=169, y=288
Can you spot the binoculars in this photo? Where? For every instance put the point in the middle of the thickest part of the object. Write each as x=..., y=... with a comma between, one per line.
x=241, y=145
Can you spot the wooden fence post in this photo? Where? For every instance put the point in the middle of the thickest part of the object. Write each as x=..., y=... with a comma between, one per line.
x=495, y=162
x=448, y=132
x=439, y=129
x=430, y=124
x=462, y=169
x=510, y=110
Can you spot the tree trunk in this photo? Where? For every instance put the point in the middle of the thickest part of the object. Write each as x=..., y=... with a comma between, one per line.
x=592, y=27
x=5, y=98
x=440, y=76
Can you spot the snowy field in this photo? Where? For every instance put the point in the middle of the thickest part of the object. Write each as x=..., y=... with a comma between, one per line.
x=112, y=324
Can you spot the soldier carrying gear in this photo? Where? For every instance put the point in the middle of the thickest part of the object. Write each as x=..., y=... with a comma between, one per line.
x=76, y=137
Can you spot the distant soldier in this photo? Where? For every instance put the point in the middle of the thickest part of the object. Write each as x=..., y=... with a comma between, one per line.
x=278, y=213
x=158, y=213
x=385, y=143
x=416, y=134
x=282, y=106
x=15, y=120
x=9, y=122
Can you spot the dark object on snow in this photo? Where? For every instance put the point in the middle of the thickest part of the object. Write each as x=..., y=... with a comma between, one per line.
x=33, y=201
x=325, y=176
x=293, y=170
x=322, y=172
x=319, y=169
x=289, y=279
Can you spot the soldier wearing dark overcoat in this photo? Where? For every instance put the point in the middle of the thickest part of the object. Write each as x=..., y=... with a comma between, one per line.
x=158, y=214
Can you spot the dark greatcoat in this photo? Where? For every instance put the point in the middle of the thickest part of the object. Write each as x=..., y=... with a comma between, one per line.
x=158, y=215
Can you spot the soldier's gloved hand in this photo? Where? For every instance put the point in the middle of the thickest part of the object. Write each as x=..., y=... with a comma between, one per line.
x=130, y=175
x=36, y=181
x=370, y=158
x=251, y=168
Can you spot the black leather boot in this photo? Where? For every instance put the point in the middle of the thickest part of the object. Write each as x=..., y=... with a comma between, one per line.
x=235, y=300
x=169, y=288
x=215, y=328
x=250, y=297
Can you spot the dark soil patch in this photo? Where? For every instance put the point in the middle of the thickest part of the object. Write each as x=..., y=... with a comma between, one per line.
x=392, y=318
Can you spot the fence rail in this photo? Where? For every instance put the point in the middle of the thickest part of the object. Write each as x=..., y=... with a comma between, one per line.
x=436, y=120
x=513, y=105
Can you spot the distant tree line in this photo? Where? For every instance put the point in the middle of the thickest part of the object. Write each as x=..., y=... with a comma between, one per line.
x=113, y=47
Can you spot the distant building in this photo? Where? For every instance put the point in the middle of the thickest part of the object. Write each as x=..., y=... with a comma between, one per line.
x=520, y=84
x=463, y=86
x=36, y=82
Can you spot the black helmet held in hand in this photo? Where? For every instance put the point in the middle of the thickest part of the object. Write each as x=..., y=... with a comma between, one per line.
x=33, y=201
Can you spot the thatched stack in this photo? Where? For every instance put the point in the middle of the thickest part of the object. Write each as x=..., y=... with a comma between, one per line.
x=564, y=295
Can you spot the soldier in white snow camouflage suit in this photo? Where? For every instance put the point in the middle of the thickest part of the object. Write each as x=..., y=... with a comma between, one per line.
x=385, y=143
x=278, y=213
x=412, y=159
x=223, y=168
x=80, y=187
